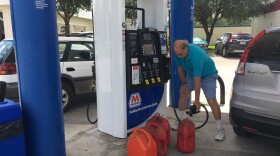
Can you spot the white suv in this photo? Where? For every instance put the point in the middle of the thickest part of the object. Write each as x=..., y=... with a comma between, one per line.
x=76, y=60
x=255, y=98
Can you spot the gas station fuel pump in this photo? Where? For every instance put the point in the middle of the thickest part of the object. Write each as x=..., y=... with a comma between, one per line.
x=131, y=68
x=145, y=73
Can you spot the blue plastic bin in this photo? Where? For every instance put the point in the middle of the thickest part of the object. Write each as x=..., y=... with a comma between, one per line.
x=11, y=129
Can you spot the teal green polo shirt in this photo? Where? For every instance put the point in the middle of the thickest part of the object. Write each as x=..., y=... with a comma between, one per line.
x=197, y=63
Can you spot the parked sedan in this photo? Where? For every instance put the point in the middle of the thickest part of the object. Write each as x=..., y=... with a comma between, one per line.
x=76, y=61
x=200, y=42
x=255, y=98
x=232, y=43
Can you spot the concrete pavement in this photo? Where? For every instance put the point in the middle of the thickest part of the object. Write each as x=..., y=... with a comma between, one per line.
x=86, y=140
x=83, y=139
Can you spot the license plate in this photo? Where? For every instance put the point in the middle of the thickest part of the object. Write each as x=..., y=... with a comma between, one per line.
x=243, y=43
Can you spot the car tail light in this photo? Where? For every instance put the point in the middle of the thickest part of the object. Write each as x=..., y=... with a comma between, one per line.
x=202, y=45
x=230, y=39
x=7, y=69
x=241, y=66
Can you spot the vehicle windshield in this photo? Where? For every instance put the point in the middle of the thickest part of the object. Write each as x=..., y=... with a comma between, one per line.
x=197, y=39
x=243, y=37
x=5, y=47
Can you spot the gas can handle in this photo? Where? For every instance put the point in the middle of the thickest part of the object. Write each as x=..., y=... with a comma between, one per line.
x=157, y=114
x=158, y=118
x=145, y=133
x=153, y=124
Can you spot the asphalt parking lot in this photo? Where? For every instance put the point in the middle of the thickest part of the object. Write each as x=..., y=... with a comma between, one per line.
x=84, y=139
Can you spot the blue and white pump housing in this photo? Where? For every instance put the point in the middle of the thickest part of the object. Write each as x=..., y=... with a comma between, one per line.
x=130, y=83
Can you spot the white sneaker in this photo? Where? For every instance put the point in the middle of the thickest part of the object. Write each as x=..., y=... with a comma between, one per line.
x=175, y=125
x=220, y=134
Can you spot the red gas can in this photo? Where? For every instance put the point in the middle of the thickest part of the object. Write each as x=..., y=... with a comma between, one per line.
x=186, y=136
x=163, y=122
x=141, y=143
x=159, y=135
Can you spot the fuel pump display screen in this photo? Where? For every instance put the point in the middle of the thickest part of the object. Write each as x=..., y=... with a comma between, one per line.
x=148, y=49
x=147, y=36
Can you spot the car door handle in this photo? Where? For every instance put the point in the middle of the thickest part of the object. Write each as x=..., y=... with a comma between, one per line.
x=70, y=69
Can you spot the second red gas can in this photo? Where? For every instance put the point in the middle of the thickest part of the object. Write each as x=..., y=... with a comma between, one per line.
x=186, y=136
x=159, y=135
x=163, y=122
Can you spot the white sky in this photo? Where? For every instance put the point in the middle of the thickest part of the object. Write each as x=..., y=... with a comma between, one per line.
x=4, y=2
x=84, y=14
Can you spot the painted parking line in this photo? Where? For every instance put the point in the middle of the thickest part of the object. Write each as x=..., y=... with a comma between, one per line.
x=217, y=57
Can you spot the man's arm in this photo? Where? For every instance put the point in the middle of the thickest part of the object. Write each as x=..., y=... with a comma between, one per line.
x=197, y=81
x=183, y=90
x=181, y=74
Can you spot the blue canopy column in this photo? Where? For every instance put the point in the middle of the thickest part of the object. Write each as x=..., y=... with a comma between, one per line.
x=182, y=15
x=38, y=68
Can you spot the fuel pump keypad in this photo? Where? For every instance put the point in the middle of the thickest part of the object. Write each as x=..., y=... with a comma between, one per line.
x=158, y=79
x=143, y=45
x=147, y=82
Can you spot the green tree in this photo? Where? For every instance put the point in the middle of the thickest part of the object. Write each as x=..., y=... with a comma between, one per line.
x=131, y=13
x=68, y=8
x=208, y=12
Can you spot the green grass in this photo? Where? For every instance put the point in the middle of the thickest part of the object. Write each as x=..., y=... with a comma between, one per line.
x=211, y=49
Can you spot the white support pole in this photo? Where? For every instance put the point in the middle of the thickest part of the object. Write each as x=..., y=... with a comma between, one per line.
x=110, y=66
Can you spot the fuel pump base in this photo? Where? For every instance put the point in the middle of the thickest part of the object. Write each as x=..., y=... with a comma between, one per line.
x=11, y=130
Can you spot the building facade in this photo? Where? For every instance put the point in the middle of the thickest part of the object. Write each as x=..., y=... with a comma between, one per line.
x=78, y=23
x=270, y=18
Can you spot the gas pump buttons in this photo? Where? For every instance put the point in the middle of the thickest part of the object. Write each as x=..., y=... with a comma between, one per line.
x=143, y=46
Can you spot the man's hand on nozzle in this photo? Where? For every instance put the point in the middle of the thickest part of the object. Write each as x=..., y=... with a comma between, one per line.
x=197, y=104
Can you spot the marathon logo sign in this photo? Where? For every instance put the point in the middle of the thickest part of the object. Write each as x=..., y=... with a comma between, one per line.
x=135, y=100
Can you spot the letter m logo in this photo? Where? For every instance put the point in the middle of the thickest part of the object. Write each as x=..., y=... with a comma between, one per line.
x=135, y=100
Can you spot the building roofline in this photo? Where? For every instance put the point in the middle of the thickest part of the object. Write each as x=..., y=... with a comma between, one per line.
x=274, y=6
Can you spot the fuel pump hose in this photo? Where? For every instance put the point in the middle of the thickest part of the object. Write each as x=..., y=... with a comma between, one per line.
x=88, y=104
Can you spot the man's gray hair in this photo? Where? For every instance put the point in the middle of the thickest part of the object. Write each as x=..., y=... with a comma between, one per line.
x=184, y=44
